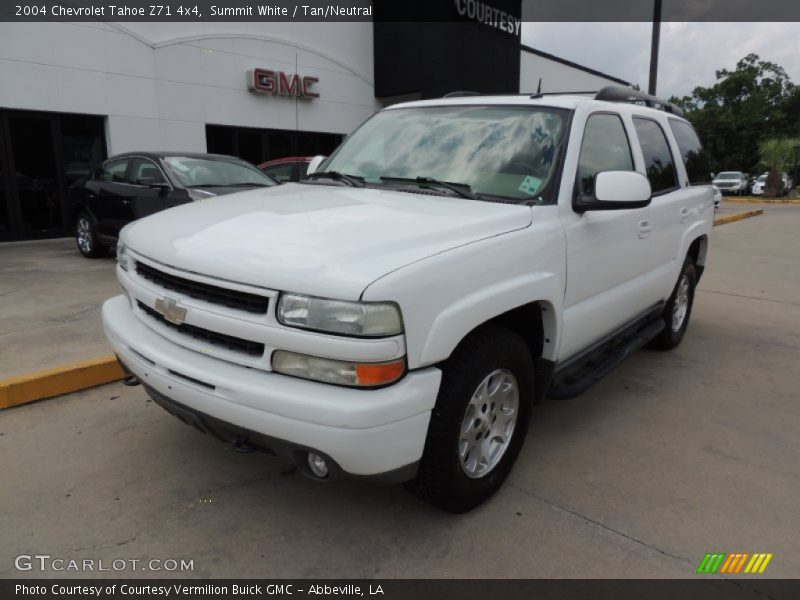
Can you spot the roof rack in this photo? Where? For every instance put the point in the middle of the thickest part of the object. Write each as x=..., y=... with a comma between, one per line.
x=613, y=93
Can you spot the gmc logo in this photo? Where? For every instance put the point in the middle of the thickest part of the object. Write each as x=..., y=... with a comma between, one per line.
x=279, y=83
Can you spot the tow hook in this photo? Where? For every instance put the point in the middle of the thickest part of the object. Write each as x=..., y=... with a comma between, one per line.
x=131, y=381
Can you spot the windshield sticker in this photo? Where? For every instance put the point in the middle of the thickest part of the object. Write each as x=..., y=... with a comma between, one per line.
x=530, y=185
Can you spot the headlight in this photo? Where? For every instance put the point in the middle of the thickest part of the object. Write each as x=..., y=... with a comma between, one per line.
x=122, y=256
x=366, y=319
x=338, y=372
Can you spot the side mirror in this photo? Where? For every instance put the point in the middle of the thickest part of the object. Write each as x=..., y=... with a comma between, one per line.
x=315, y=163
x=616, y=190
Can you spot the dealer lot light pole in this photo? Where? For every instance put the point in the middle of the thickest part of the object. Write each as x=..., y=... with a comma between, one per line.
x=651, y=89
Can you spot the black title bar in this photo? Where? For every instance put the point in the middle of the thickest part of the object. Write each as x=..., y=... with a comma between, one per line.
x=712, y=588
x=189, y=11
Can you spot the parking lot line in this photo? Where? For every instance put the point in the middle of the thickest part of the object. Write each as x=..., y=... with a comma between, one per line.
x=63, y=379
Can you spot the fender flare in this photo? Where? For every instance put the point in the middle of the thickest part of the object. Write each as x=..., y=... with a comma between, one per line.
x=454, y=323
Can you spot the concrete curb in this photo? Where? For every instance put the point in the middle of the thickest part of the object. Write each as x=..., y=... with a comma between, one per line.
x=64, y=379
x=738, y=217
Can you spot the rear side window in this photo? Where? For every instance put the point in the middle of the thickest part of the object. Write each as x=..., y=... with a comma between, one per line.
x=658, y=162
x=694, y=156
x=605, y=147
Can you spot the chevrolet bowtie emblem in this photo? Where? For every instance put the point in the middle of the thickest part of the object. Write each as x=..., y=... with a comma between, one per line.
x=170, y=310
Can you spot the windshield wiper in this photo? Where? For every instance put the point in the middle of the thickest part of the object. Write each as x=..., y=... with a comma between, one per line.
x=462, y=189
x=351, y=180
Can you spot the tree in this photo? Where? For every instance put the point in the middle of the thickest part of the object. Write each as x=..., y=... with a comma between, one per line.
x=778, y=155
x=755, y=101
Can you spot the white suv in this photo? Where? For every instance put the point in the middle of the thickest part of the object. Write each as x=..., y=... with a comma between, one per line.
x=732, y=182
x=398, y=315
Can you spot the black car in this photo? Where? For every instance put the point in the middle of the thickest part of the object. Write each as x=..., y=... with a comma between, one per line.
x=129, y=186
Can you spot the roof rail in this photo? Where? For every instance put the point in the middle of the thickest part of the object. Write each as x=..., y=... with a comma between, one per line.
x=579, y=93
x=460, y=94
x=613, y=93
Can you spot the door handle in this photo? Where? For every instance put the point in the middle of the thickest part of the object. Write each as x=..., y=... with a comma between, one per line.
x=684, y=214
x=644, y=229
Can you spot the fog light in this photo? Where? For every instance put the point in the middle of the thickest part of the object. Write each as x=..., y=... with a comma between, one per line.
x=317, y=465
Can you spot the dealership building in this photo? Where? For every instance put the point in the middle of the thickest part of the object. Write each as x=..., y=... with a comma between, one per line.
x=74, y=93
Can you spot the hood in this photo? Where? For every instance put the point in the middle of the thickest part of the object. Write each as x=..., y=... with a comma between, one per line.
x=320, y=240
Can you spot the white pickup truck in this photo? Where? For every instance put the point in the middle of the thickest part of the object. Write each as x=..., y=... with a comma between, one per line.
x=397, y=316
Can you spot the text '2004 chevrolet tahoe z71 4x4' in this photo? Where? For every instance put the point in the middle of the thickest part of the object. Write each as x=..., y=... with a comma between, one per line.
x=452, y=263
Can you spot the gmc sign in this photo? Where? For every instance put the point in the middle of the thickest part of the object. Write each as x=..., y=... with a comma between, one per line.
x=279, y=83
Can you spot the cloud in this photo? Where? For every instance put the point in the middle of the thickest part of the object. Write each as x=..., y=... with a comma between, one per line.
x=690, y=53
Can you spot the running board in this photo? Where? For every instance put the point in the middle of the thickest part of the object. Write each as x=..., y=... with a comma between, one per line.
x=598, y=365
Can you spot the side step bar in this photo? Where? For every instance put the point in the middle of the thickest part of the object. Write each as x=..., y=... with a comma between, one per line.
x=574, y=381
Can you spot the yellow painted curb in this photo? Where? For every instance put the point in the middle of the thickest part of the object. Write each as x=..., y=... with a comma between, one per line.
x=738, y=217
x=752, y=200
x=72, y=377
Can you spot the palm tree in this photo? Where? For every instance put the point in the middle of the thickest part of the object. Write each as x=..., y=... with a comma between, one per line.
x=778, y=155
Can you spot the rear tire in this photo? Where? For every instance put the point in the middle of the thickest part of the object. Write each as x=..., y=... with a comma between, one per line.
x=678, y=309
x=479, y=422
x=85, y=238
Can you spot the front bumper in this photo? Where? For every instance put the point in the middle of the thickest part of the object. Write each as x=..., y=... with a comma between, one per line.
x=364, y=432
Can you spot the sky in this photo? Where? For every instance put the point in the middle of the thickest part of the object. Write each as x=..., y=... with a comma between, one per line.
x=690, y=53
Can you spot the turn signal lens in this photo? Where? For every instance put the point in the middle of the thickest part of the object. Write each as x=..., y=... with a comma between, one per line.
x=338, y=372
x=122, y=256
x=379, y=374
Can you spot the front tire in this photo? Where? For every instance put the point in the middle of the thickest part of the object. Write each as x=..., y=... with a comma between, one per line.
x=479, y=422
x=678, y=309
x=85, y=238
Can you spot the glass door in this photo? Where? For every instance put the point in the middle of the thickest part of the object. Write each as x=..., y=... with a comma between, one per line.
x=35, y=176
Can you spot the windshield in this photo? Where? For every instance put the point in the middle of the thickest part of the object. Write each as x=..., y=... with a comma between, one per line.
x=762, y=178
x=505, y=151
x=214, y=172
x=728, y=176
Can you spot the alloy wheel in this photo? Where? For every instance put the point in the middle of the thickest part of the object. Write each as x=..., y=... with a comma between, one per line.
x=681, y=304
x=489, y=423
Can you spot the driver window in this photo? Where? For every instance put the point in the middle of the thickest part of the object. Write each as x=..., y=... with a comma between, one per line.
x=146, y=172
x=605, y=147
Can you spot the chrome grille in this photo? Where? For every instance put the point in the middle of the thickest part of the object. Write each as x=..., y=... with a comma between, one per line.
x=246, y=301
